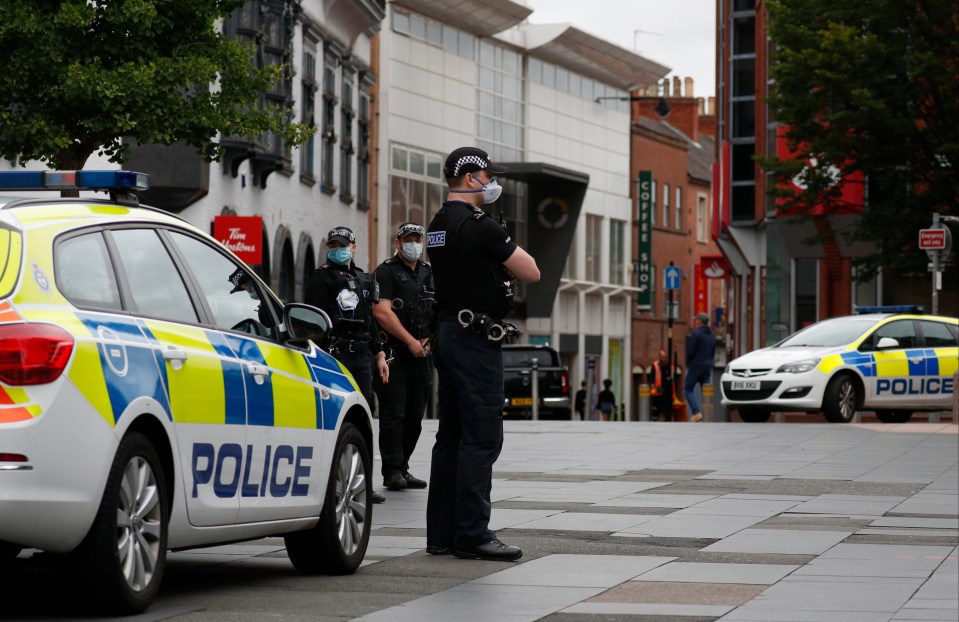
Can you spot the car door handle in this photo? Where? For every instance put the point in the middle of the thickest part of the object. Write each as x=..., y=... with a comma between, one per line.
x=259, y=372
x=175, y=356
x=917, y=359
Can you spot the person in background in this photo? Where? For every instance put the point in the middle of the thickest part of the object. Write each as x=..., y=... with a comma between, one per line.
x=348, y=294
x=662, y=377
x=606, y=401
x=580, y=401
x=406, y=313
x=700, y=357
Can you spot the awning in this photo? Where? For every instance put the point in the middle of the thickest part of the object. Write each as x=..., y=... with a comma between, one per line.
x=479, y=18
x=588, y=55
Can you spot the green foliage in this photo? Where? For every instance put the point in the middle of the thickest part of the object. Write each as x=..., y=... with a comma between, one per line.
x=80, y=74
x=871, y=87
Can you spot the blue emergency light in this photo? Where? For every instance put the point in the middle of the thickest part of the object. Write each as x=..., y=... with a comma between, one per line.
x=892, y=309
x=74, y=180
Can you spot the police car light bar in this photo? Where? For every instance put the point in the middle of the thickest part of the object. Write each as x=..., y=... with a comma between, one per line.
x=892, y=309
x=74, y=180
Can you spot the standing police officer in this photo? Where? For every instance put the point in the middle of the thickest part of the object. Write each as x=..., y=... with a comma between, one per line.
x=406, y=313
x=347, y=295
x=473, y=261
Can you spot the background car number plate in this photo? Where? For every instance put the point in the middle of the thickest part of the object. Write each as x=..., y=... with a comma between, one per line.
x=522, y=401
x=745, y=385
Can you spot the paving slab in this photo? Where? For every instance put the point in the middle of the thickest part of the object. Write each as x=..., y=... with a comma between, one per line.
x=576, y=570
x=782, y=541
x=691, y=572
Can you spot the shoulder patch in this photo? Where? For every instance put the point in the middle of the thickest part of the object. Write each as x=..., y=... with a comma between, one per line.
x=435, y=238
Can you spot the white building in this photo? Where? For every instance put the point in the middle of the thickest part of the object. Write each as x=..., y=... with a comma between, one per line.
x=550, y=102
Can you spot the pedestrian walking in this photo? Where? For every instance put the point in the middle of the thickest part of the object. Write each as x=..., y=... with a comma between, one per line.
x=348, y=294
x=580, y=401
x=406, y=313
x=700, y=356
x=606, y=401
x=662, y=380
x=474, y=262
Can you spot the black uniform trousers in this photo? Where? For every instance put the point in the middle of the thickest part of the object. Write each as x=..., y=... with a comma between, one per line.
x=360, y=365
x=401, y=405
x=469, y=438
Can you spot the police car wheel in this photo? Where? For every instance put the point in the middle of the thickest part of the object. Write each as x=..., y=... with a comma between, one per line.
x=841, y=400
x=754, y=415
x=124, y=554
x=893, y=416
x=337, y=544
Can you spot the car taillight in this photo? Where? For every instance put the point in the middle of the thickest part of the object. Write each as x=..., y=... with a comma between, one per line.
x=33, y=353
x=565, y=382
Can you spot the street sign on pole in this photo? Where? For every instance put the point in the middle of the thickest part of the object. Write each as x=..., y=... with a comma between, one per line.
x=673, y=276
x=932, y=239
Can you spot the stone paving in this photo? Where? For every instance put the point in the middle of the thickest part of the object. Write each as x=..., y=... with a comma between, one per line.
x=753, y=522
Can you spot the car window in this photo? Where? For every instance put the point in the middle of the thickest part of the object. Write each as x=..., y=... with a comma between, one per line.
x=156, y=285
x=903, y=331
x=828, y=333
x=937, y=334
x=230, y=292
x=84, y=273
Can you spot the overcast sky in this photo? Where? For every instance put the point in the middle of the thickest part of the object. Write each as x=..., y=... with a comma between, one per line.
x=684, y=39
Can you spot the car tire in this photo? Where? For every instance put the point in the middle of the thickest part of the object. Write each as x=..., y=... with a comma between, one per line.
x=337, y=543
x=841, y=400
x=124, y=554
x=893, y=416
x=754, y=415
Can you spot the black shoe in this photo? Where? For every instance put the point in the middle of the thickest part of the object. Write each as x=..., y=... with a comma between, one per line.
x=438, y=549
x=413, y=482
x=394, y=482
x=376, y=497
x=493, y=550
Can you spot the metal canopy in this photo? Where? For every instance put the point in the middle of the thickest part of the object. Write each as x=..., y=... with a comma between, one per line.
x=588, y=55
x=479, y=18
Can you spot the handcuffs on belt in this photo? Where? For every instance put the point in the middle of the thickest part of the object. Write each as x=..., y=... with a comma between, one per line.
x=484, y=325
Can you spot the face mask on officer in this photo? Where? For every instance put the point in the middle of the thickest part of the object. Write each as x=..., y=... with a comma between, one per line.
x=340, y=255
x=412, y=250
x=491, y=190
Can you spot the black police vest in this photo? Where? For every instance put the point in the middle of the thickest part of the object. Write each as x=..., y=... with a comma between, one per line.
x=415, y=309
x=357, y=324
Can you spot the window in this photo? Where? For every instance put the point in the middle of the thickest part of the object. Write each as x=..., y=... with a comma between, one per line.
x=433, y=33
x=937, y=334
x=679, y=207
x=617, y=252
x=328, y=130
x=307, y=109
x=155, y=284
x=702, y=224
x=242, y=310
x=593, y=248
x=85, y=273
x=347, y=112
x=569, y=268
x=417, y=187
x=665, y=205
x=903, y=331
x=363, y=151
x=652, y=203
x=806, y=292
x=499, y=92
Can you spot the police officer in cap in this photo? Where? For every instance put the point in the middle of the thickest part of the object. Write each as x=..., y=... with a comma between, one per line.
x=348, y=295
x=474, y=261
x=406, y=314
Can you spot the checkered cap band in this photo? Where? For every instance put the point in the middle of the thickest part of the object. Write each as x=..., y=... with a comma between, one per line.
x=470, y=159
x=408, y=229
x=341, y=232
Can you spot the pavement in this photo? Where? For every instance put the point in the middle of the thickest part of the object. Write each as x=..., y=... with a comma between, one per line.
x=639, y=522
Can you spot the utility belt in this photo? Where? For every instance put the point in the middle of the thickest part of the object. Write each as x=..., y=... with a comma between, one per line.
x=343, y=345
x=482, y=324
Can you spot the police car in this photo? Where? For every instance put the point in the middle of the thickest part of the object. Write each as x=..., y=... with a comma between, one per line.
x=889, y=360
x=155, y=395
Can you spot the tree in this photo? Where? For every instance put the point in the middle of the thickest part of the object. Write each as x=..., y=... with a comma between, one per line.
x=79, y=75
x=871, y=87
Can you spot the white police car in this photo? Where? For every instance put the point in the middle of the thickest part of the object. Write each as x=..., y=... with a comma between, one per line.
x=154, y=395
x=892, y=363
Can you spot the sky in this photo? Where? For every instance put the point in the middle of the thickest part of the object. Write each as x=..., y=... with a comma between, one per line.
x=679, y=34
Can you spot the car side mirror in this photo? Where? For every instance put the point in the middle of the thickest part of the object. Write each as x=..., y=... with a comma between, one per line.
x=886, y=343
x=305, y=323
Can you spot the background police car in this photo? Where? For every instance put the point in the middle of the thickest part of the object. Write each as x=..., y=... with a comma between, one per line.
x=892, y=363
x=147, y=403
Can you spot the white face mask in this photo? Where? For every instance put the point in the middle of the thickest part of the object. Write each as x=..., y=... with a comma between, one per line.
x=412, y=250
x=491, y=191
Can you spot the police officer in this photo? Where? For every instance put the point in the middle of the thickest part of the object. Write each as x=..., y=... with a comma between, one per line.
x=406, y=314
x=474, y=261
x=348, y=295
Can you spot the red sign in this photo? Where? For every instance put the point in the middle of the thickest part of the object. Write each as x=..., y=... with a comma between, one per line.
x=932, y=238
x=701, y=303
x=241, y=234
x=714, y=266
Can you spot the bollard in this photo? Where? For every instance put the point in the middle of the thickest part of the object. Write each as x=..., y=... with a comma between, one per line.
x=534, y=386
x=708, y=394
x=644, y=404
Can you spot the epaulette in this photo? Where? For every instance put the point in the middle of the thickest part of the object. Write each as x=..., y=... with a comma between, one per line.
x=478, y=213
x=390, y=260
